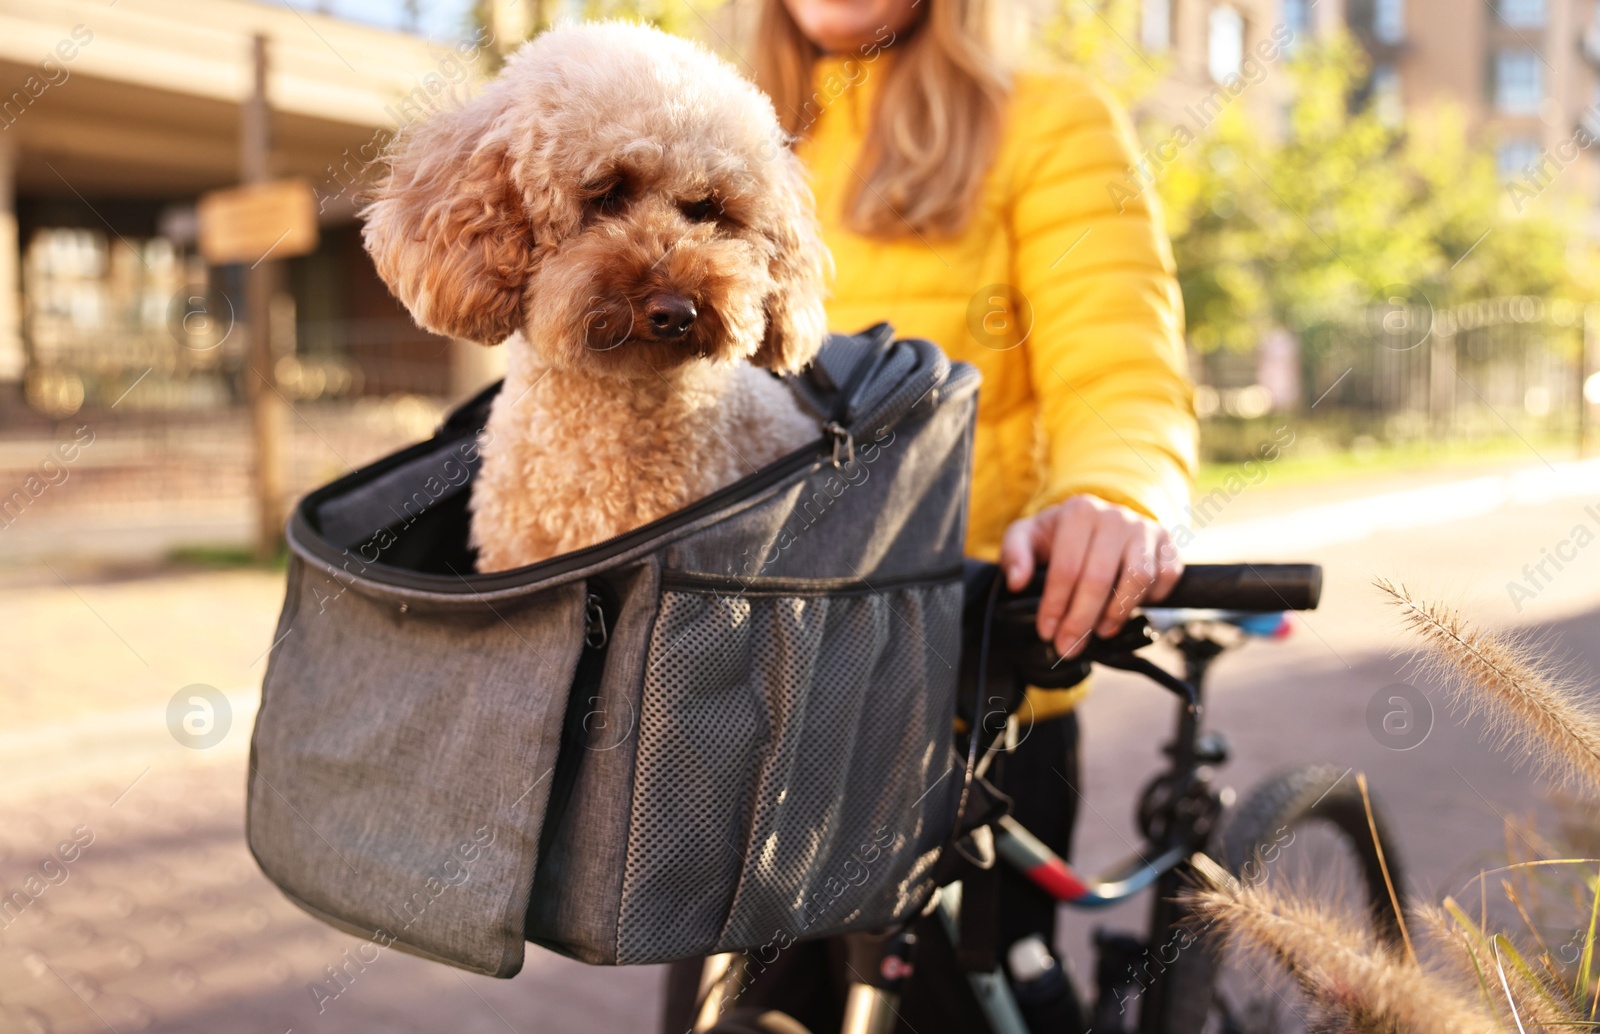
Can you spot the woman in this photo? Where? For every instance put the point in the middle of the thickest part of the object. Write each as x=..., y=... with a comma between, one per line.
x=974, y=207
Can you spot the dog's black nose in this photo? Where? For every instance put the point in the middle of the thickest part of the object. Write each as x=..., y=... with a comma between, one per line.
x=670, y=315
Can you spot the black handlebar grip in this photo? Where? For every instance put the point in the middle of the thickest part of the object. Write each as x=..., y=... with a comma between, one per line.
x=1259, y=587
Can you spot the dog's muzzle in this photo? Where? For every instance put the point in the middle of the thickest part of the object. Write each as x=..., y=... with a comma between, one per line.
x=670, y=315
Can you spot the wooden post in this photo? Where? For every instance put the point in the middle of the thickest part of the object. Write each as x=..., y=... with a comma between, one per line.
x=13, y=349
x=267, y=406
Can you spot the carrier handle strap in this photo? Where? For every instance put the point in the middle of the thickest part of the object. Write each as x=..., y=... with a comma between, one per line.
x=980, y=877
x=844, y=363
x=923, y=368
x=975, y=725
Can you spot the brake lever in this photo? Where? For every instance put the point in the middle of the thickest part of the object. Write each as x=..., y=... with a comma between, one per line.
x=1118, y=650
x=1135, y=634
x=1155, y=673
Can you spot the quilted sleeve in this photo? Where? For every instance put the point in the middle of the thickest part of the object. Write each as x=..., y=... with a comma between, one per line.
x=1105, y=351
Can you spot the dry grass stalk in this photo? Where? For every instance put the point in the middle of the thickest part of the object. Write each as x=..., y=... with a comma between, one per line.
x=1479, y=980
x=1531, y=709
x=1383, y=863
x=1336, y=960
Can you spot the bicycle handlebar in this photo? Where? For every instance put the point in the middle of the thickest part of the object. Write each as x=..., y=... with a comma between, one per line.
x=1263, y=588
x=1258, y=587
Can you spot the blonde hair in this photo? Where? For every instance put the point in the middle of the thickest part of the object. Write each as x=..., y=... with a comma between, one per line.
x=936, y=124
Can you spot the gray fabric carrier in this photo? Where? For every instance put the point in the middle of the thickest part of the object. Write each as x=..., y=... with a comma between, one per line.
x=727, y=730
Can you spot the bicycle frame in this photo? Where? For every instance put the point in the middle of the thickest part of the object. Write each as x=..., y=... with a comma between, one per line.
x=1157, y=864
x=1176, y=811
x=1025, y=852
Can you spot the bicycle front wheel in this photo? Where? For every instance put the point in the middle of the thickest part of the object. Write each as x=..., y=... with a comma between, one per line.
x=1305, y=831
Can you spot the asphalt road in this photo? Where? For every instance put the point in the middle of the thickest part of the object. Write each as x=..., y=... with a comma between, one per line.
x=162, y=922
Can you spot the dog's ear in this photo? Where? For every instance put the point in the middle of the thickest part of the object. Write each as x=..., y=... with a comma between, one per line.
x=447, y=229
x=796, y=320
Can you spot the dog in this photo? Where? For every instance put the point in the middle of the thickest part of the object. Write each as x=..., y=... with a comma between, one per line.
x=620, y=209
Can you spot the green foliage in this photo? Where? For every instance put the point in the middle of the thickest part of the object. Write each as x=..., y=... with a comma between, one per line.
x=1304, y=227
x=682, y=17
x=1102, y=35
x=672, y=15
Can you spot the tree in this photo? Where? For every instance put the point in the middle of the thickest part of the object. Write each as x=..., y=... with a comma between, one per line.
x=1103, y=36
x=1304, y=227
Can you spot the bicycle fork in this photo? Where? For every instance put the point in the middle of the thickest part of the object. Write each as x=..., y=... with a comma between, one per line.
x=879, y=966
x=719, y=975
x=994, y=996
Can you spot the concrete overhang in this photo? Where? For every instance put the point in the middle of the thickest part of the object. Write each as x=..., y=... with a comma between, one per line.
x=149, y=107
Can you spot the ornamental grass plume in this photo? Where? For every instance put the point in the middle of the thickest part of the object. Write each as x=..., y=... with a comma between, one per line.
x=1359, y=984
x=1473, y=979
x=1532, y=711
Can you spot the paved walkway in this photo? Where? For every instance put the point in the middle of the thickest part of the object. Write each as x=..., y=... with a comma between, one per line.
x=162, y=922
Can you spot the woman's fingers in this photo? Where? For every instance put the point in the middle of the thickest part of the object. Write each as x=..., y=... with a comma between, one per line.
x=1017, y=551
x=1069, y=529
x=1102, y=561
x=1169, y=568
x=1137, y=578
x=1094, y=583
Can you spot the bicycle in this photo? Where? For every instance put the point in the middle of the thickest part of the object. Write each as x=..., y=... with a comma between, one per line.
x=1181, y=978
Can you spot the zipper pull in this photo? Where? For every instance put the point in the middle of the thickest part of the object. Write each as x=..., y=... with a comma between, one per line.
x=594, y=623
x=844, y=444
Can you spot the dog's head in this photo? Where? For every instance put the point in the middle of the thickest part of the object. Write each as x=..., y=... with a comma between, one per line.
x=620, y=195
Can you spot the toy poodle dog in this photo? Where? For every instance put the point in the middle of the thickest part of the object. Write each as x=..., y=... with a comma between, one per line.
x=619, y=208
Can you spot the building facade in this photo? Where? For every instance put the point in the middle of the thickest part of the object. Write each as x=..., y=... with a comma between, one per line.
x=1218, y=54
x=1525, y=73
x=114, y=119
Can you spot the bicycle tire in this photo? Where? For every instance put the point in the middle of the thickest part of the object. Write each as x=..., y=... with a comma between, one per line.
x=1321, y=793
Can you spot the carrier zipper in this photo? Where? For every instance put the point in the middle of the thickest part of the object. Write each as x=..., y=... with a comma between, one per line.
x=600, y=607
x=594, y=623
x=844, y=444
x=761, y=585
x=599, y=614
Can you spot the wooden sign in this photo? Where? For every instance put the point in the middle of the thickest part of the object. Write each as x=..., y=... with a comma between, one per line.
x=261, y=220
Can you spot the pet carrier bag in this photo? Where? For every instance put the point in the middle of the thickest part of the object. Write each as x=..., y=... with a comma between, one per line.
x=729, y=729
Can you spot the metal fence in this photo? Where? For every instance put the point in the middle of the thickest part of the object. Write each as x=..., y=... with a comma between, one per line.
x=206, y=370
x=1404, y=372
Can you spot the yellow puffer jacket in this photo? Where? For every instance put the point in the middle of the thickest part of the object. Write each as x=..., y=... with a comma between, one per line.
x=1094, y=399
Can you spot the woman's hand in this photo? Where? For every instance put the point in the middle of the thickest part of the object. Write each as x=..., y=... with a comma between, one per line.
x=1103, y=560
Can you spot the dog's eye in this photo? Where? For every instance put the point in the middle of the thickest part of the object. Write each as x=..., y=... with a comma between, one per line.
x=704, y=210
x=607, y=197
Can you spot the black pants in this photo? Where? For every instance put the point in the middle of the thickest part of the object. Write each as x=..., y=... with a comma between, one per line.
x=809, y=981
x=1041, y=776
